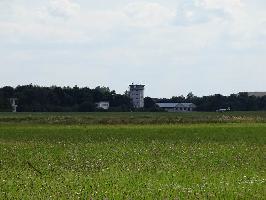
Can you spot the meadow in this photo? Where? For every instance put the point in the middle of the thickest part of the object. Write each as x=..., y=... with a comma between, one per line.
x=133, y=156
x=113, y=118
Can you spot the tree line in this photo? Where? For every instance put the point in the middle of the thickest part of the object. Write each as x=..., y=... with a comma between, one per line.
x=236, y=102
x=33, y=98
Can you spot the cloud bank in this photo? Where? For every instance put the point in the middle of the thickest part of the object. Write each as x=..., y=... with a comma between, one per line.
x=164, y=44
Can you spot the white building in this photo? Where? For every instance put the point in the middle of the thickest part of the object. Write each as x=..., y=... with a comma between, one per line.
x=103, y=105
x=177, y=107
x=136, y=93
x=13, y=104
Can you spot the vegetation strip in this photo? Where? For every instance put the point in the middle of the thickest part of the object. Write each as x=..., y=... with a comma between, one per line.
x=189, y=161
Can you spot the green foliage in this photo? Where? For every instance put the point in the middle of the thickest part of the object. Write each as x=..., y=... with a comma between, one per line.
x=201, y=161
x=132, y=118
x=237, y=102
x=56, y=99
x=87, y=107
x=150, y=105
x=32, y=98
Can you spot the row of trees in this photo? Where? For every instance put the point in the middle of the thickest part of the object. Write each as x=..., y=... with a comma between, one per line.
x=57, y=99
x=33, y=98
x=236, y=102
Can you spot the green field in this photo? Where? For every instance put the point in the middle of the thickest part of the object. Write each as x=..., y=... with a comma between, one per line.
x=132, y=118
x=133, y=156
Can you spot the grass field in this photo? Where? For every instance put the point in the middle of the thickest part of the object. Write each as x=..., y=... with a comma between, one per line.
x=133, y=156
x=132, y=118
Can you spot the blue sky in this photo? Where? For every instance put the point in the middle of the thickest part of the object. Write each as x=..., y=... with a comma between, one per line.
x=172, y=46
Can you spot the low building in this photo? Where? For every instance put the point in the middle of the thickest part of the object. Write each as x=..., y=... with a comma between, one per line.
x=103, y=105
x=223, y=109
x=177, y=107
x=257, y=94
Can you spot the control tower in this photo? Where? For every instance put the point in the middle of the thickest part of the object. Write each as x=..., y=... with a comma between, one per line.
x=136, y=93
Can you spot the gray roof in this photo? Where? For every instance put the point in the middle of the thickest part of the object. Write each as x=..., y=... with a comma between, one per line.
x=257, y=94
x=176, y=105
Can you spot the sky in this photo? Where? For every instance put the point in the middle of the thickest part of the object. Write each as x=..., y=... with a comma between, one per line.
x=172, y=46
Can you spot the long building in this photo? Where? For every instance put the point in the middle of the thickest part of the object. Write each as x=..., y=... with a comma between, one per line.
x=177, y=107
x=257, y=94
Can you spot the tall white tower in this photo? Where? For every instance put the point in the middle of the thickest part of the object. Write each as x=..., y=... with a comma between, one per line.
x=136, y=93
x=13, y=104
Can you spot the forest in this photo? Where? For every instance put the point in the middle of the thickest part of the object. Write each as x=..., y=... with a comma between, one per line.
x=34, y=98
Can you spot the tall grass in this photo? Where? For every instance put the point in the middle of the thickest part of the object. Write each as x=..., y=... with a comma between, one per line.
x=200, y=161
x=132, y=118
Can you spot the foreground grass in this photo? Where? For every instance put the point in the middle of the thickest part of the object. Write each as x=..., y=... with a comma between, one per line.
x=201, y=161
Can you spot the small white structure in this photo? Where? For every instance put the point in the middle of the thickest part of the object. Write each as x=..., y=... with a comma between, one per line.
x=103, y=105
x=136, y=94
x=177, y=107
x=13, y=104
x=224, y=109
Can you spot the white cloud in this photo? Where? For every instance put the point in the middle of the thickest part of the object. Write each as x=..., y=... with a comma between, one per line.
x=204, y=11
x=63, y=8
x=182, y=37
x=206, y=22
x=149, y=14
x=227, y=5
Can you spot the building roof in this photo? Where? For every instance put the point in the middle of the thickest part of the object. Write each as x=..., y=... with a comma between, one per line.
x=102, y=102
x=137, y=86
x=175, y=105
x=257, y=94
